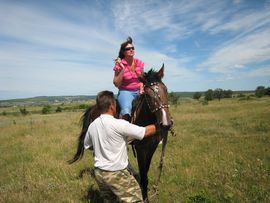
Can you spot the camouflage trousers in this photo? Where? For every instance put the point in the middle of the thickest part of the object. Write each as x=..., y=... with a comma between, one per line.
x=118, y=186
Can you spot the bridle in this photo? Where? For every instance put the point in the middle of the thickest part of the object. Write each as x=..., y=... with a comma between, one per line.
x=154, y=86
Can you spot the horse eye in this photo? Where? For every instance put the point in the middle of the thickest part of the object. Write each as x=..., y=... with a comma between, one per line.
x=165, y=88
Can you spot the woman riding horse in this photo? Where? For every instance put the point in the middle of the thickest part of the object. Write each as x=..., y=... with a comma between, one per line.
x=152, y=108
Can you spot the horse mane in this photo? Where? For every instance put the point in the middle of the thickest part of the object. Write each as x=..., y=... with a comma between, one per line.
x=147, y=78
x=151, y=76
x=90, y=114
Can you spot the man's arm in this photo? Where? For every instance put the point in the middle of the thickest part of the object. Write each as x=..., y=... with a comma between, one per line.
x=87, y=141
x=150, y=130
x=136, y=132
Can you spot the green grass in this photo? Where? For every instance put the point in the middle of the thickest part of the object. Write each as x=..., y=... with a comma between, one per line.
x=220, y=154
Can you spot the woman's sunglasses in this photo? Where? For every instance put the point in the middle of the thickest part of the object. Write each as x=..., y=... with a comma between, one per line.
x=129, y=48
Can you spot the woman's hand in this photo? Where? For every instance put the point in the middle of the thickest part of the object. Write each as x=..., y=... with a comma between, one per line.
x=118, y=60
x=119, y=63
x=141, y=88
x=118, y=74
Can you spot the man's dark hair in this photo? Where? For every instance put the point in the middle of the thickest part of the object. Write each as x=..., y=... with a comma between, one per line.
x=104, y=100
x=123, y=46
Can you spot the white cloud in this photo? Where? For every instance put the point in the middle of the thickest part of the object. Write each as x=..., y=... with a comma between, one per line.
x=75, y=42
x=254, y=48
x=33, y=27
x=244, y=22
x=259, y=72
x=53, y=54
x=237, y=1
x=173, y=19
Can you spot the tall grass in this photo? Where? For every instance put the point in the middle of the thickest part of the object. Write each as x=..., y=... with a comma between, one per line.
x=220, y=154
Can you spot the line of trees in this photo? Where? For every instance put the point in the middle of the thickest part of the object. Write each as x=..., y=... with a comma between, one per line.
x=217, y=94
x=220, y=93
x=174, y=97
x=214, y=94
x=262, y=91
x=47, y=109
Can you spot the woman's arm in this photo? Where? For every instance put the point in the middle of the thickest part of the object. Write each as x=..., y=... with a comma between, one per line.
x=118, y=77
x=118, y=74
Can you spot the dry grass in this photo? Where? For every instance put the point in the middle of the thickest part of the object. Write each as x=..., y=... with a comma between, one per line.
x=220, y=154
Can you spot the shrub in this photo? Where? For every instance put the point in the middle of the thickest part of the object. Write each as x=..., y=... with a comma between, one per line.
x=267, y=91
x=197, y=95
x=173, y=98
x=260, y=91
x=218, y=94
x=24, y=111
x=241, y=95
x=209, y=95
x=59, y=109
x=83, y=106
x=46, y=109
x=199, y=197
x=205, y=102
x=227, y=93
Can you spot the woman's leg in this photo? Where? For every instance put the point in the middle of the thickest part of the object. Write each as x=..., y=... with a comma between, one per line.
x=125, y=98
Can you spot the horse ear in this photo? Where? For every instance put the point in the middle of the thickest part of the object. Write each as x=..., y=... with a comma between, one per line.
x=161, y=71
x=141, y=78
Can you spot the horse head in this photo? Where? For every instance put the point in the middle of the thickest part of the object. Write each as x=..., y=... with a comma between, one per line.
x=156, y=96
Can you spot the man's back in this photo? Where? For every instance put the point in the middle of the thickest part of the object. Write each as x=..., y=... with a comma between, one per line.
x=108, y=136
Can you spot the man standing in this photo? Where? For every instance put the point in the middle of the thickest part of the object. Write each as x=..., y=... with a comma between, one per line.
x=108, y=136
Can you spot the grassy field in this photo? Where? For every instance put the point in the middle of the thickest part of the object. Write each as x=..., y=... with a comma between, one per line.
x=221, y=153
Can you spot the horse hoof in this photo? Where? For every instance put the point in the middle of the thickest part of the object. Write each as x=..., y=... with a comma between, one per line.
x=146, y=200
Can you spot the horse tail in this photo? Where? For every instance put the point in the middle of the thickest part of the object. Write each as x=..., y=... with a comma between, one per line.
x=88, y=117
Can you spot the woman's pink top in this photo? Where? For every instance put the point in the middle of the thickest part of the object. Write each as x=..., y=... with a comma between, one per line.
x=130, y=80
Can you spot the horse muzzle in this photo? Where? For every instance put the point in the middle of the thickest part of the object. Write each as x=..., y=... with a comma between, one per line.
x=166, y=126
x=166, y=121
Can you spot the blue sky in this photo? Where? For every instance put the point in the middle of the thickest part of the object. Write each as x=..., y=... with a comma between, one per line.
x=67, y=47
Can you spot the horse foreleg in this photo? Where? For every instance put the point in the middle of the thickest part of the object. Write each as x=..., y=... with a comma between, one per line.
x=164, y=144
x=141, y=159
x=144, y=157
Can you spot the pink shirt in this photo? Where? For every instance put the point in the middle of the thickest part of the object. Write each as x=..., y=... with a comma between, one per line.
x=130, y=80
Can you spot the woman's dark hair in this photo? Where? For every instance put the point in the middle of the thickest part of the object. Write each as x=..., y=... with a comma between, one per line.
x=104, y=100
x=123, y=46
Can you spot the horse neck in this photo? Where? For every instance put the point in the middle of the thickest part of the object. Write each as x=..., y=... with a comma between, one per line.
x=143, y=116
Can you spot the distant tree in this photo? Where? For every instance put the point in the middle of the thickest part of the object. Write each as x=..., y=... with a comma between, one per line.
x=260, y=91
x=209, y=95
x=173, y=98
x=197, y=95
x=46, y=109
x=218, y=94
x=58, y=109
x=241, y=95
x=267, y=91
x=204, y=102
x=83, y=106
x=227, y=93
x=24, y=111
x=4, y=113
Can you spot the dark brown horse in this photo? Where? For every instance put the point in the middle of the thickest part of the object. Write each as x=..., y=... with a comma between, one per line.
x=150, y=108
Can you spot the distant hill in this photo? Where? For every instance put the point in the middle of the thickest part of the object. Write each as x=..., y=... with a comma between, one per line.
x=43, y=100
x=185, y=94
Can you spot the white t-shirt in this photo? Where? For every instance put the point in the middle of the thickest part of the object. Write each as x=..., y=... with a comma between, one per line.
x=108, y=136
